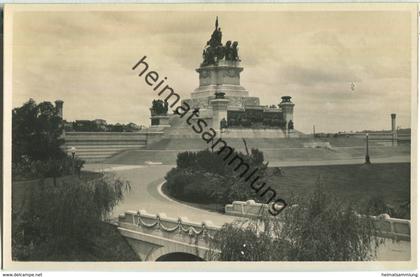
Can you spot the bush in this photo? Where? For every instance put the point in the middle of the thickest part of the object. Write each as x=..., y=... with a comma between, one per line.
x=318, y=228
x=195, y=186
x=243, y=241
x=28, y=169
x=204, y=177
x=63, y=219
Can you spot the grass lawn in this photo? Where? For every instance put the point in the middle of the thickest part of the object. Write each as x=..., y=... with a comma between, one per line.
x=350, y=183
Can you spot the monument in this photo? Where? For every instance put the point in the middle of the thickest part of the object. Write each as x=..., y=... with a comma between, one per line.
x=220, y=72
x=159, y=114
x=220, y=96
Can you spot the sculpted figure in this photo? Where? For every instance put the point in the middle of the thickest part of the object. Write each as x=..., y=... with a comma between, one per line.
x=206, y=49
x=219, y=37
x=159, y=107
x=216, y=38
x=215, y=51
x=235, y=51
x=212, y=55
x=221, y=52
x=207, y=54
x=228, y=51
x=290, y=125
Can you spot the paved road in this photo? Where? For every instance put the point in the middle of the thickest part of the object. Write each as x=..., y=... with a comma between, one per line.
x=144, y=194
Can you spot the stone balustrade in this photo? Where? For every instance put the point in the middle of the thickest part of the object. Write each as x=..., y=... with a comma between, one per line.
x=162, y=223
x=394, y=228
x=154, y=235
x=246, y=209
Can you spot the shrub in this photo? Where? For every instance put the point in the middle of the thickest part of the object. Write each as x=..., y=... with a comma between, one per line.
x=63, y=219
x=318, y=228
x=186, y=159
x=204, y=177
x=243, y=241
x=28, y=169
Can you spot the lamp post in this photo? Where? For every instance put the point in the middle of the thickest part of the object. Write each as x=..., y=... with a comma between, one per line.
x=73, y=152
x=367, y=158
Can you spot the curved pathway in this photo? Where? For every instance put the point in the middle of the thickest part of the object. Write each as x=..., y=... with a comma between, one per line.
x=146, y=179
x=145, y=194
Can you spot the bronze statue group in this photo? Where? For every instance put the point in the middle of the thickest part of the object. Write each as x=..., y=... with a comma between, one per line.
x=215, y=51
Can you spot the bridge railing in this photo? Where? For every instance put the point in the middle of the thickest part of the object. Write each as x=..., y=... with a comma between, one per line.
x=389, y=227
x=394, y=228
x=182, y=226
x=246, y=208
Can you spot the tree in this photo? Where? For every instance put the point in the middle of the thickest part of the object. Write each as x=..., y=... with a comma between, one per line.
x=63, y=219
x=244, y=241
x=326, y=230
x=318, y=228
x=36, y=132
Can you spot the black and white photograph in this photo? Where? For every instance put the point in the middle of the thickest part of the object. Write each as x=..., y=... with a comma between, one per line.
x=221, y=134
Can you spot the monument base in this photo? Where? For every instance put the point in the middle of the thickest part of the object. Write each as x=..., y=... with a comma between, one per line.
x=160, y=121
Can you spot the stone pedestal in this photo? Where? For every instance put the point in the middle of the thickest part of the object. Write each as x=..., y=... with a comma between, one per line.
x=287, y=106
x=59, y=107
x=219, y=106
x=160, y=121
x=223, y=77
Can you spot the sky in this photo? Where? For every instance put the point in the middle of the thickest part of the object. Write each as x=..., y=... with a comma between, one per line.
x=85, y=59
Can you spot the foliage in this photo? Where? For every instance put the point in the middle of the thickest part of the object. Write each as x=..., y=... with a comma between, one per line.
x=29, y=169
x=243, y=241
x=36, y=143
x=318, y=228
x=325, y=230
x=64, y=219
x=376, y=205
x=204, y=177
x=36, y=132
x=95, y=126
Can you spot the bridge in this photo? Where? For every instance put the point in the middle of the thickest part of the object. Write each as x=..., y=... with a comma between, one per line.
x=157, y=236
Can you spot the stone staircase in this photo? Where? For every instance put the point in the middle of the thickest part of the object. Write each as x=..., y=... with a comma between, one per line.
x=98, y=146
